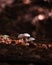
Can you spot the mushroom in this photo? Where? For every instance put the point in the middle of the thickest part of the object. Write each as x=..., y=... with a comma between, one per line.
x=20, y=39
x=26, y=35
x=5, y=36
x=31, y=39
x=31, y=42
x=20, y=36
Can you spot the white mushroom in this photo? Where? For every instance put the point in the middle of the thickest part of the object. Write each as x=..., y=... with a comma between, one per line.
x=26, y=35
x=23, y=35
x=5, y=36
x=20, y=36
x=31, y=39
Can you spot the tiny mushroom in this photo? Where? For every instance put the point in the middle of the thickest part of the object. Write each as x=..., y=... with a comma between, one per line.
x=31, y=42
x=26, y=35
x=5, y=36
x=20, y=36
x=31, y=39
x=20, y=39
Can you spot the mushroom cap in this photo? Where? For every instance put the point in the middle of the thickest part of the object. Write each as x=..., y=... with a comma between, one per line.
x=31, y=39
x=26, y=35
x=23, y=35
x=5, y=36
x=20, y=36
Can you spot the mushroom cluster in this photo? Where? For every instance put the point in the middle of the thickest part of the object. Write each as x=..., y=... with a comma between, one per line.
x=26, y=38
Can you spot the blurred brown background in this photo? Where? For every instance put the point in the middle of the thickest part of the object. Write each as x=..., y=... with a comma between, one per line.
x=20, y=16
